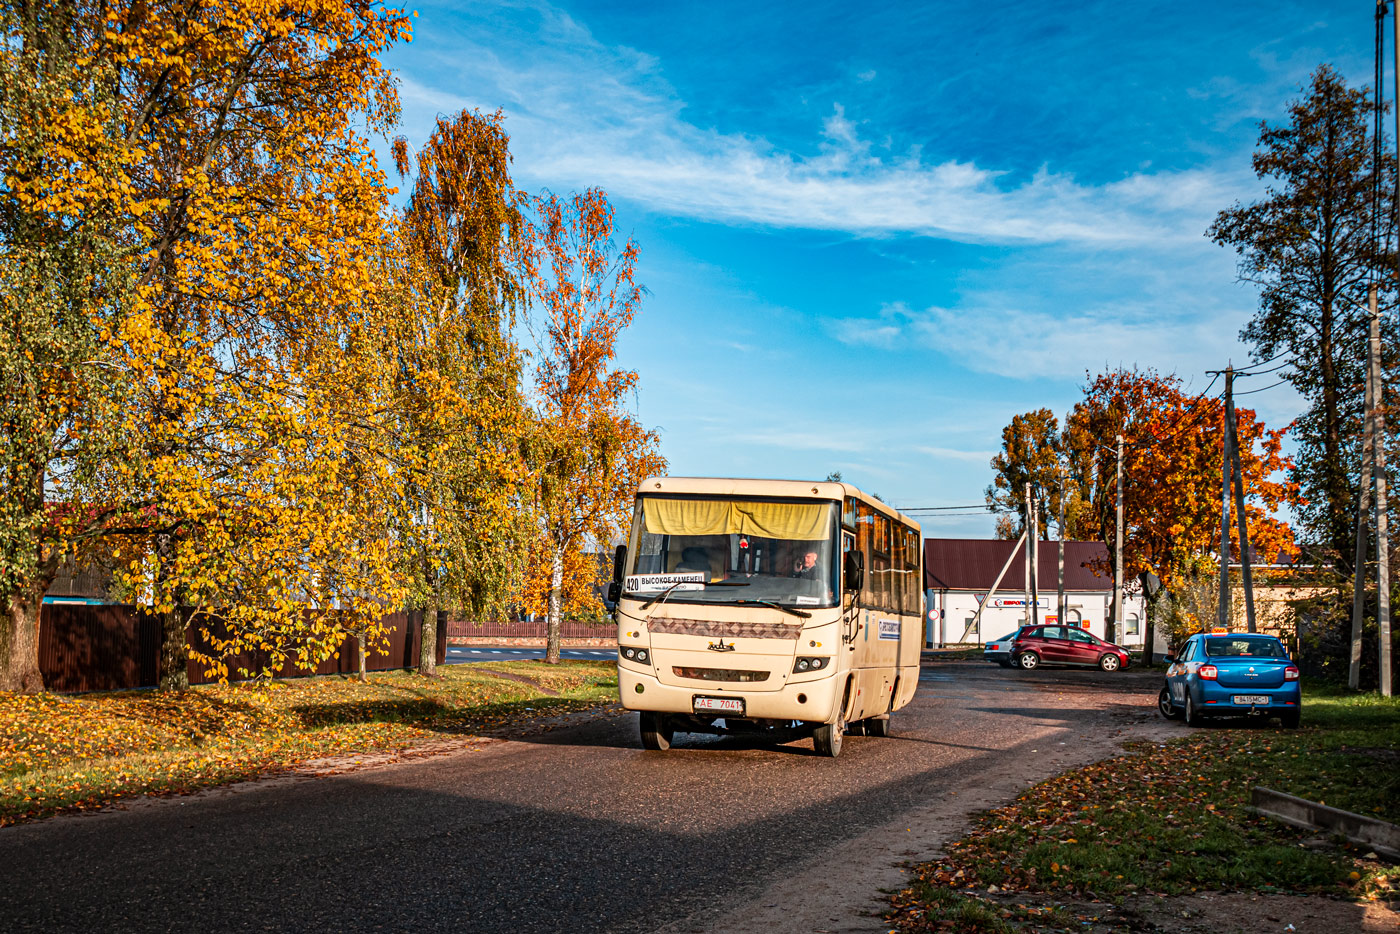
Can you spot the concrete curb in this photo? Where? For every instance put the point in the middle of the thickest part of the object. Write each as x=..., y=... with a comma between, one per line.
x=1382, y=836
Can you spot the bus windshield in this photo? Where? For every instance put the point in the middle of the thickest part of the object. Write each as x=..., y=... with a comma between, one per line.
x=735, y=551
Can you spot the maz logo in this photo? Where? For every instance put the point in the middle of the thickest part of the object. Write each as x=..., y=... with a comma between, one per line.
x=720, y=646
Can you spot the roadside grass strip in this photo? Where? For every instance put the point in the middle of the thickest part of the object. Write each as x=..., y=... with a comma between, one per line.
x=78, y=752
x=1171, y=819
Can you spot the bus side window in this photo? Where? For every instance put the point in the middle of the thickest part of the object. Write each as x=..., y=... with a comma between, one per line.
x=865, y=541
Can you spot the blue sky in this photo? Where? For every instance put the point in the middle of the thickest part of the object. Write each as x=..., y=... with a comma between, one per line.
x=872, y=234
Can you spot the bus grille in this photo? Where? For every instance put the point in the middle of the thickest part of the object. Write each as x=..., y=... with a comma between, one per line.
x=719, y=674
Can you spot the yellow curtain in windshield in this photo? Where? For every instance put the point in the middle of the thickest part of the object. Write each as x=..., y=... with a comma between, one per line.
x=793, y=521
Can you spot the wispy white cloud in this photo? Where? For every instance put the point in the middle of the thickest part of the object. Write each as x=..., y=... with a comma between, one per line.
x=976, y=457
x=1012, y=341
x=584, y=113
x=799, y=440
x=866, y=332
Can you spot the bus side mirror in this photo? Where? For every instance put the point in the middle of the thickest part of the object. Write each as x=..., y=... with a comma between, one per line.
x=619, y=558
x=613, y=593
x=854, y=571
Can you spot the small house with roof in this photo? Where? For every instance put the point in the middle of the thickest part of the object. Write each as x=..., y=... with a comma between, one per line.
x=959, y=574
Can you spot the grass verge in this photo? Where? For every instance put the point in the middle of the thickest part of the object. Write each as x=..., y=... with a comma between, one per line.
x=67, y=753
x=1172, y=818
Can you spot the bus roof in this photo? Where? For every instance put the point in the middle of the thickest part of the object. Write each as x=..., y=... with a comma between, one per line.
x=740, y=486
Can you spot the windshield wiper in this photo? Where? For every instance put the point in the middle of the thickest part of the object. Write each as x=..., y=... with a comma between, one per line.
x=778, y=606
x=661, y=596
x=726, y=583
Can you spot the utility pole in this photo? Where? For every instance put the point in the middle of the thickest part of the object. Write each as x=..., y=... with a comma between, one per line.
x=1382, y=521
x=1382, y=525
x=1030, y=544
x=1035, y=561
x=1363, y=508
x=1118, y=555
x=1222, y=613
x=1060, y=601
x=1247, y=575
x=976, y=621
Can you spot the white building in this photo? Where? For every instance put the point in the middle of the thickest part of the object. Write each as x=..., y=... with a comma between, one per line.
x=959, y=573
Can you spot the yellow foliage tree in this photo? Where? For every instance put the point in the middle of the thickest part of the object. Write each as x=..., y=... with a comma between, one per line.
x=250, y=344
x=249, y=210
x=460, y=419
x=61, y=279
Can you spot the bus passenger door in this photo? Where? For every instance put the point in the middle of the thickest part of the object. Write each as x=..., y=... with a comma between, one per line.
x=850, y=600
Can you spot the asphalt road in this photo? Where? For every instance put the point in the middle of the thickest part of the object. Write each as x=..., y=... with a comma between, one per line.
x=462, y=654
x=577, y=828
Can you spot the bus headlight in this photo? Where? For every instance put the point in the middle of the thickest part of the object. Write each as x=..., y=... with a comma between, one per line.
x=634, y=654
x=810, y=663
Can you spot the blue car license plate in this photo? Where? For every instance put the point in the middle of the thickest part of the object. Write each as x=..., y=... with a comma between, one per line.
x=1251, y=700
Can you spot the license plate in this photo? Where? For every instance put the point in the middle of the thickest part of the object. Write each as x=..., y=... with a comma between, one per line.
x=728, y=705
x=1250, y=700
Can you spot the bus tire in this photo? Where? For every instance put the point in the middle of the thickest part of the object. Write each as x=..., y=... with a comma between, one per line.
x=826, y=739
x=877, y=726
x=657, y=731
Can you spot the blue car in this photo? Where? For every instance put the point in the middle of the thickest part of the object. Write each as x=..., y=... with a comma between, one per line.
x=1231, y=674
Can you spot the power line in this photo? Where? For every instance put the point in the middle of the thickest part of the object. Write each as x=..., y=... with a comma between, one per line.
x=939, y=508
x=1281, y=353
x=1265, y=388
x=1253, y=372
x=1180, y=422
x=1158, y=440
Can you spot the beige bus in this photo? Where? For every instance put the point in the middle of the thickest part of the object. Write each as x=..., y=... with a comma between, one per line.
x=767, y=606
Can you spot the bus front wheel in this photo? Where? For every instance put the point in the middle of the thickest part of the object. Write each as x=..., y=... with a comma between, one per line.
x=657, y=731
x=877, y=726
x=826, y=739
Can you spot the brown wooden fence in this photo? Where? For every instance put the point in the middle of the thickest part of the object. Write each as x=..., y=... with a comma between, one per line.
x=110, y=648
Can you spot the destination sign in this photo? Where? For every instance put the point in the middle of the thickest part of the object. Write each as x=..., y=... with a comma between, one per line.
x=645, y=583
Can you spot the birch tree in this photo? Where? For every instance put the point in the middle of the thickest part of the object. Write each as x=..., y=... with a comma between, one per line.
x=460, y=416
x=588, y=452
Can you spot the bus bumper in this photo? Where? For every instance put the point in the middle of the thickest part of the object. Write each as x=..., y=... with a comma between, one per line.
x=818, y=703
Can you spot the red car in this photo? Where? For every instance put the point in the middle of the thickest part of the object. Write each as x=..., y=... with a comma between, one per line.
x=1065, y=645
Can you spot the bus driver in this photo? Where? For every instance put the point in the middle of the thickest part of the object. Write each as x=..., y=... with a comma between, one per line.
x=807, y=568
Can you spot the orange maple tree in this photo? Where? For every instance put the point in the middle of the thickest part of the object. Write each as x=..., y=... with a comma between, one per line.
x=1172, y=451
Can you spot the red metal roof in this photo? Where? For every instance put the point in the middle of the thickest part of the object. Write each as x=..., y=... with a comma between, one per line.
x=973, y=564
